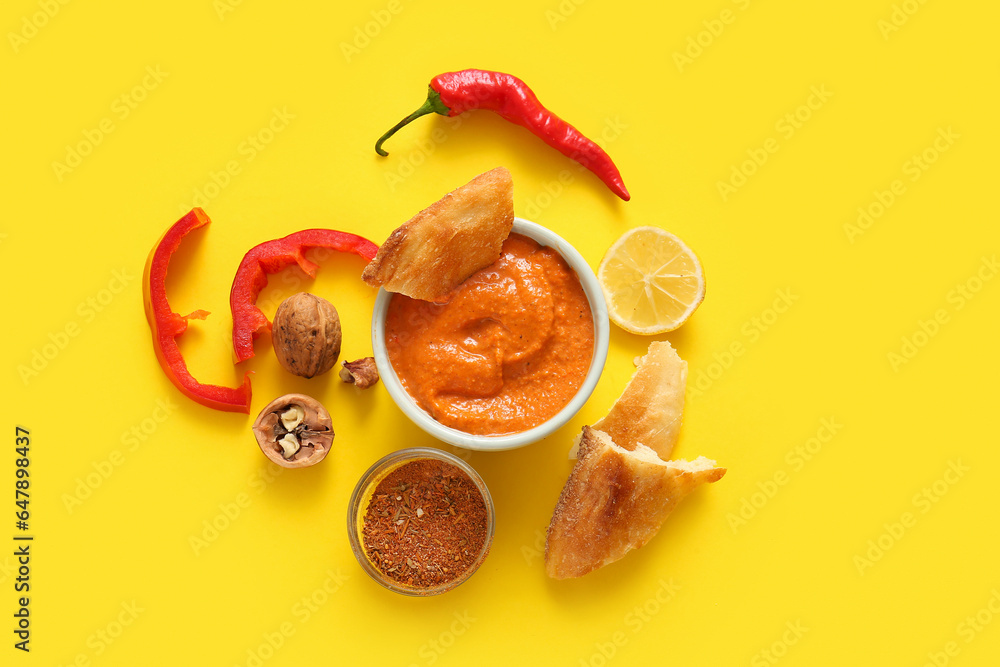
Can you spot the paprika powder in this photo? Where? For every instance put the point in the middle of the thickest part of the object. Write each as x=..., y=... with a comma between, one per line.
x=425, y=524
x=420, y=521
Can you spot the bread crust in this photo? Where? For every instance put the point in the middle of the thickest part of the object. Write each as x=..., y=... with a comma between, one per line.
x=615, y=500
x=433, y=252
x=650, y=410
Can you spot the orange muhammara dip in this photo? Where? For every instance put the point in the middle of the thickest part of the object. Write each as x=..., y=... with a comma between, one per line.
x=507, y=350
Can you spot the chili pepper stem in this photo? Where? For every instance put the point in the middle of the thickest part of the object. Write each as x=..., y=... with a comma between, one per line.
x=433, y=104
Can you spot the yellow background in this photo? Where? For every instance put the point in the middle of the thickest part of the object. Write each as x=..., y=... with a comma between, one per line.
x=793, y=580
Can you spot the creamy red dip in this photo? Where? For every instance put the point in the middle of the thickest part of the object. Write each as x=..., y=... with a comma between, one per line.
x=506, y=352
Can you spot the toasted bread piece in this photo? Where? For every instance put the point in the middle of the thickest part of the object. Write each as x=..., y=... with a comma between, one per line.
x=651, y=409
x=432, y=253
x=615, y=500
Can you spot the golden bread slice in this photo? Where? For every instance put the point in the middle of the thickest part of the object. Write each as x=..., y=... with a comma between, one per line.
x=615, y=500
x=651, y=409
x=432, y=253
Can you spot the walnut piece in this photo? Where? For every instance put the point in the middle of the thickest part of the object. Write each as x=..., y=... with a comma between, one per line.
x=306, y=335
x=294, y=431
x=289, y=445
x=362, y=372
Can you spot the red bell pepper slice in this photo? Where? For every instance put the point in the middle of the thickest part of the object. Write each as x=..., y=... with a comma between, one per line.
x=271, y=257
x=167, y=325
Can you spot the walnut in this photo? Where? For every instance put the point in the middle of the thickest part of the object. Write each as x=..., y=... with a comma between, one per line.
x=306, y=335
x=362, y=372
x=294, y=431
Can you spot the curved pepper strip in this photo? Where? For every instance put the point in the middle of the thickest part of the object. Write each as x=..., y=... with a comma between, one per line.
x=271, y=257
x=453, y=93
x=167, y=325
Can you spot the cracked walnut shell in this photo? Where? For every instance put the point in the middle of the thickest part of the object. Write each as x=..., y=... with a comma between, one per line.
x=362, y=373
x=294, y=431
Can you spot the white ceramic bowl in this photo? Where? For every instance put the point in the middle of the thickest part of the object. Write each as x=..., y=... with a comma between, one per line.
x=598, y=309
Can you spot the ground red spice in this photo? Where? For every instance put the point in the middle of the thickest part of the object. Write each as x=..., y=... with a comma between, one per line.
x=425, y=523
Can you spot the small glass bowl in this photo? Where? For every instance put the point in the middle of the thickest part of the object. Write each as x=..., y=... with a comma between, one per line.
x=358, y=506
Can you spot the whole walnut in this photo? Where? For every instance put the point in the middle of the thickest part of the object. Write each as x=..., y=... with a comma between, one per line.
x=306, y=334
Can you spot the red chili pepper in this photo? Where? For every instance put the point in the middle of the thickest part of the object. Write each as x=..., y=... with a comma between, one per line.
x=167, y=325
x=453, y=93
x=271, y=257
